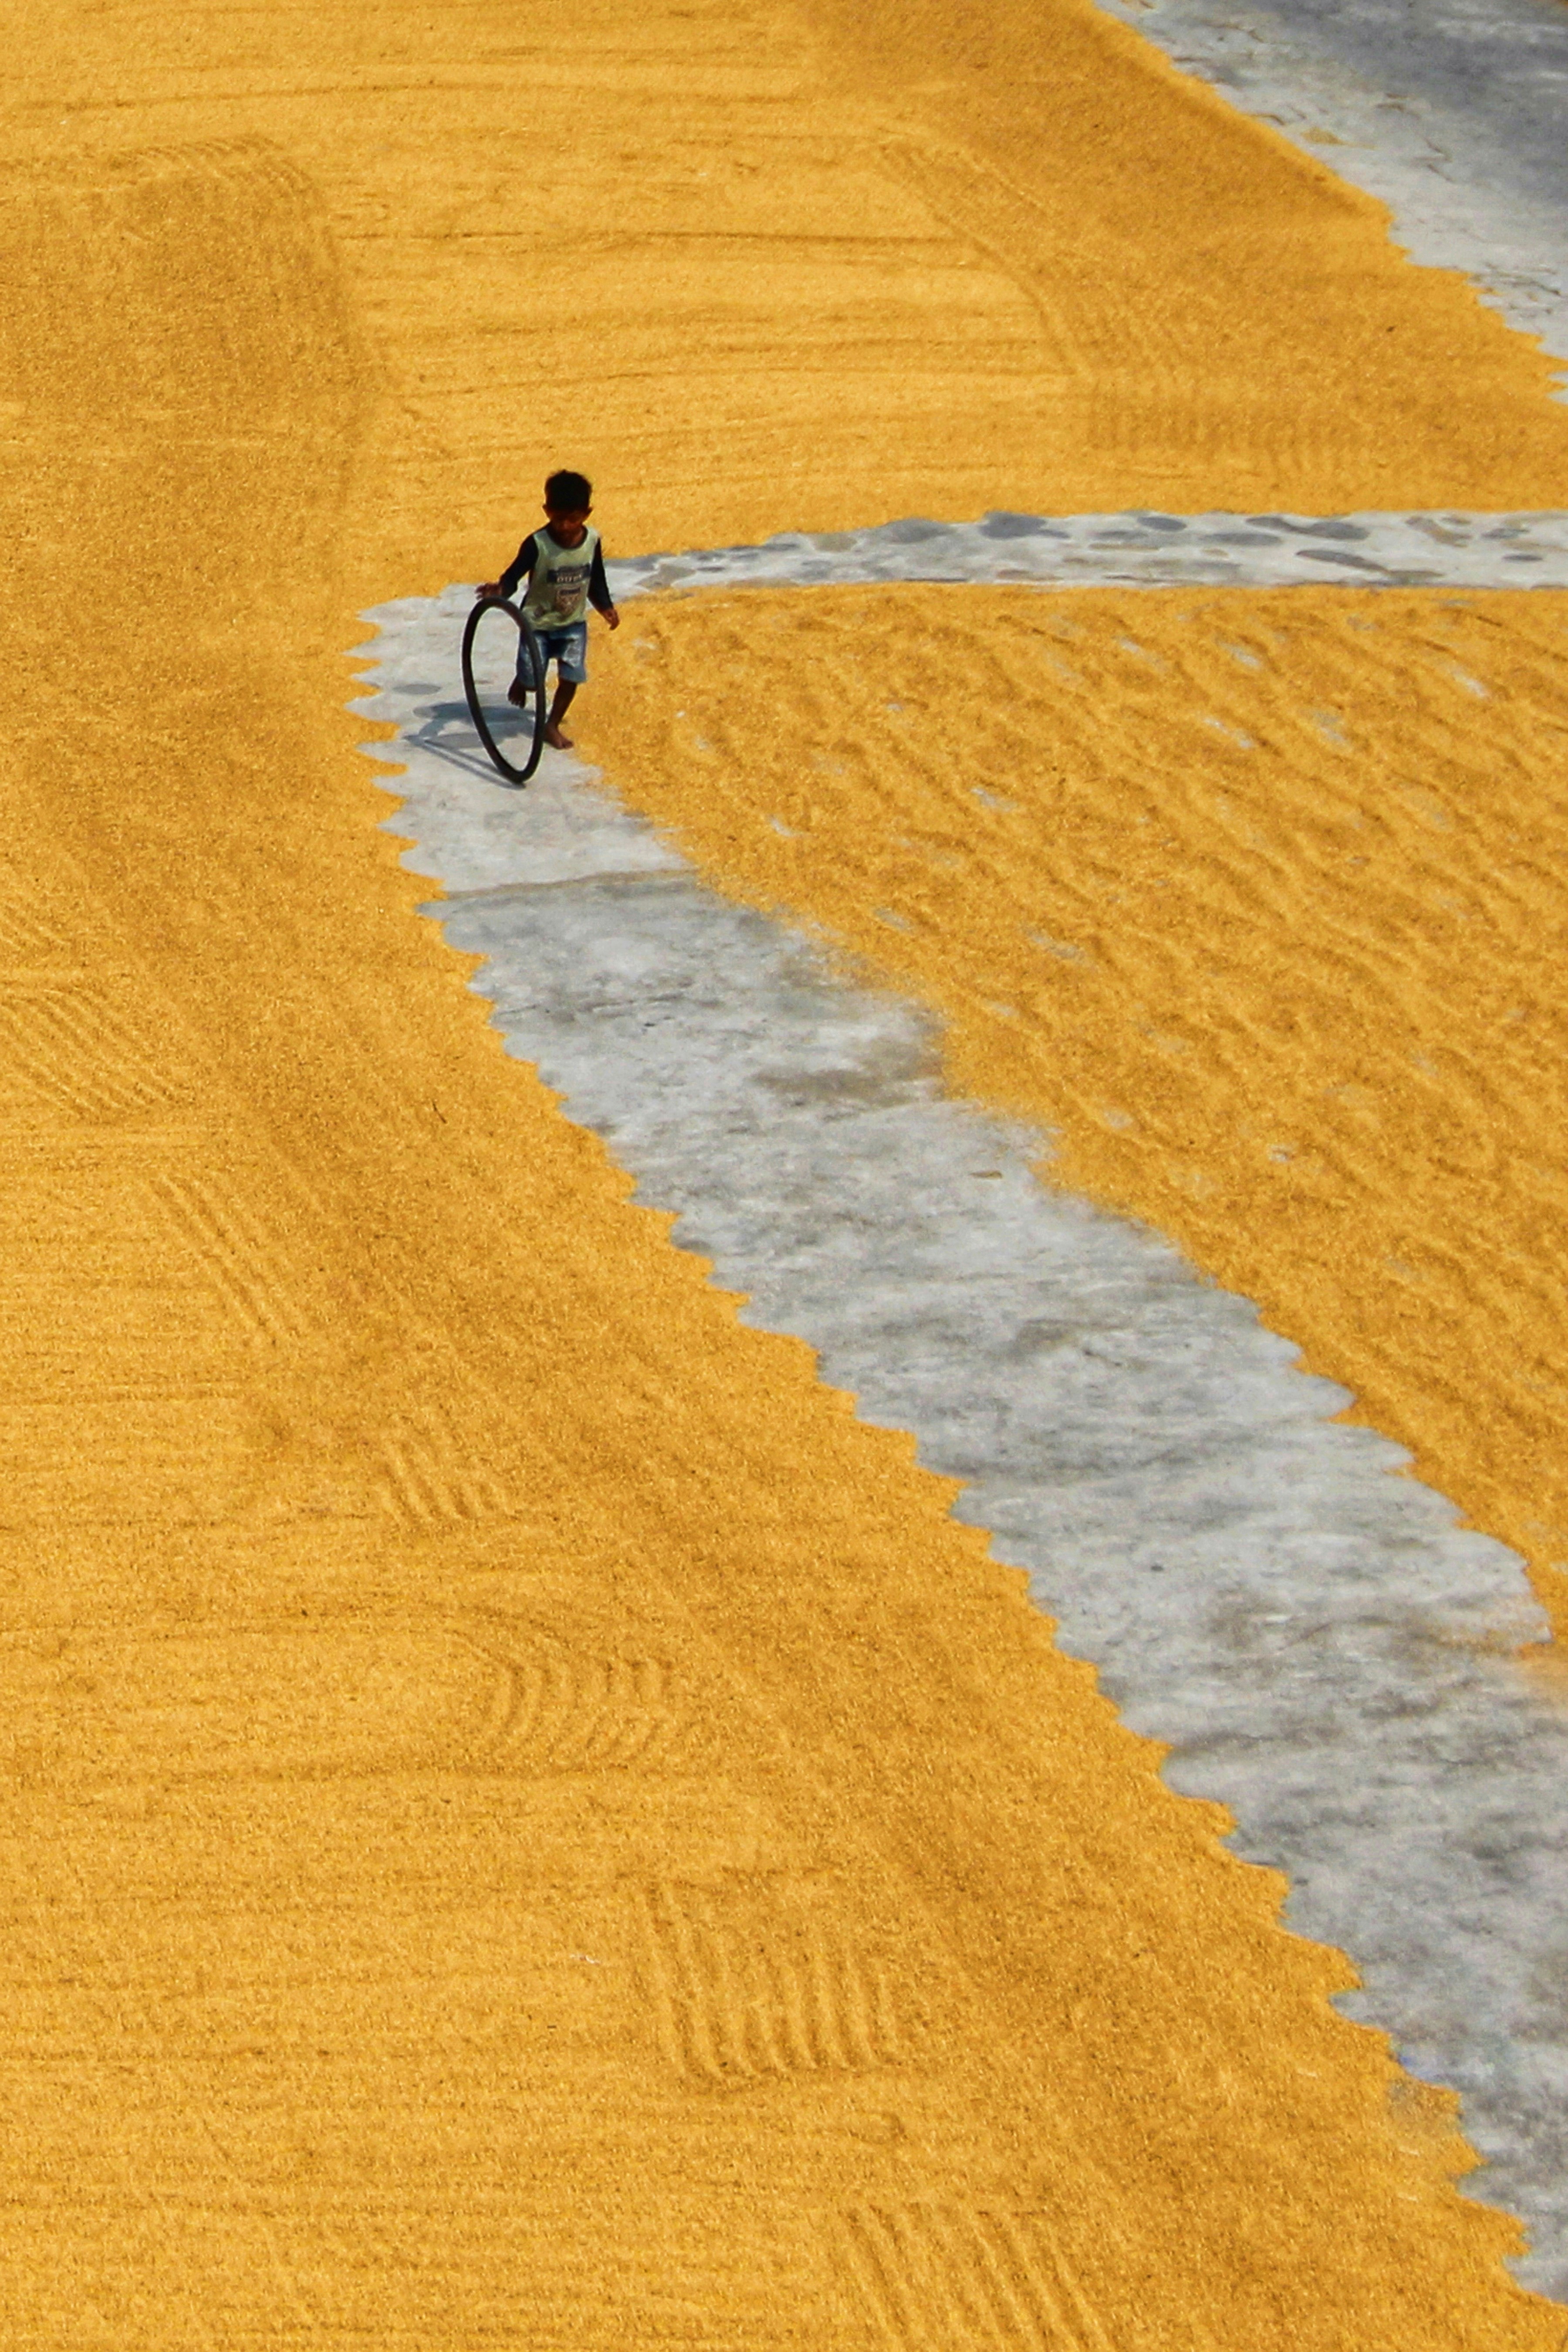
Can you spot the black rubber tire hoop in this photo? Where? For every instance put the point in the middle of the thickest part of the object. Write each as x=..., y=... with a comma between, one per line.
x=484, y=604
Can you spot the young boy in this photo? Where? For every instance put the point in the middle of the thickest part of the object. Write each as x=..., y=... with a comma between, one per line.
x=564, y=567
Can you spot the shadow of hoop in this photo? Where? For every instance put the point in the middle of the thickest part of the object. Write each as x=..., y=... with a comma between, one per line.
x=465, y=754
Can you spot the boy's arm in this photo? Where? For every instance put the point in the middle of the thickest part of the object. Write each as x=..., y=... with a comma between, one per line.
x=599, y=589
x=521, y=565
x=519, y=568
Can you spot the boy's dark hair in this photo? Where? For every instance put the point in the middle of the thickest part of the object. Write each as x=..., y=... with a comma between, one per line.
x=569, y=493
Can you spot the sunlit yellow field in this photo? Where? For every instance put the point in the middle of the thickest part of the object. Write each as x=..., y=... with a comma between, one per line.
x=524, y=1821
x=1254, y=899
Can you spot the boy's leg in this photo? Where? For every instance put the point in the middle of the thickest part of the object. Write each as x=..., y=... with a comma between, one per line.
x=520, y=693
x=565, y=692
x=571, y=672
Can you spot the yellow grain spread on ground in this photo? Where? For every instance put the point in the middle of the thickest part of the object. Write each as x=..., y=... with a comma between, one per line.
x=523, y=1822
x=1257, y=901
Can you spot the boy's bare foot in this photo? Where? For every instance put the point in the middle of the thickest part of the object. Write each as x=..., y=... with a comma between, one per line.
x=553, y=736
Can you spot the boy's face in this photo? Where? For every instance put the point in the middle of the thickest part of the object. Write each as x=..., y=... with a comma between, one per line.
x=568, y=523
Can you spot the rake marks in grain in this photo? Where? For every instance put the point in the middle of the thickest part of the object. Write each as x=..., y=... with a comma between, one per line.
x=73, y=1046
x=760, y=1980
x=947, y=2276
x=238, y=1259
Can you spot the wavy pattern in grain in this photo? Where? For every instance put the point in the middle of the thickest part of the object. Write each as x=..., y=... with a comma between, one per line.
x=758, y=1979
x=26, y=937
x=593, y=1714
x=431, y=1475
x=568, y=1702
x=1256, y=898
x=944, y=2276
x=81, y=1055
x=240, y=1260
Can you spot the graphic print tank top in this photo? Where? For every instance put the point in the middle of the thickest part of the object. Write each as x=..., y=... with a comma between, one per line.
x=558, y=594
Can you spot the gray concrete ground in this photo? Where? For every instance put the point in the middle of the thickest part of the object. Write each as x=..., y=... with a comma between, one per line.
x=1149, y=550
x=1454, y=112
x=1325, y=1650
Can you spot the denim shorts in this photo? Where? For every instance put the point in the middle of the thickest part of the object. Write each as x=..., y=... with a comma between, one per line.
x=567, y=648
